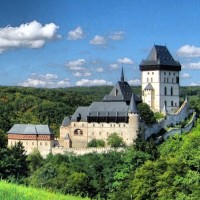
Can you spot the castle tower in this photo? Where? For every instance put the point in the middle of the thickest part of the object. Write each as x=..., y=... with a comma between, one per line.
x=133, y=121
x=160, y=80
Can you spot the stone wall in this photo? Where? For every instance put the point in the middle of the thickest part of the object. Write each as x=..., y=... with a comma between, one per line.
x=171, y=120
x=186, y=129
x=82, y=151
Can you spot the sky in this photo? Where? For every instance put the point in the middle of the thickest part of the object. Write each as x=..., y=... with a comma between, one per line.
x=66, y=43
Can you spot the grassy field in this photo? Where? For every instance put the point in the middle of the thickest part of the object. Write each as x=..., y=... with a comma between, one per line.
x=10, y=191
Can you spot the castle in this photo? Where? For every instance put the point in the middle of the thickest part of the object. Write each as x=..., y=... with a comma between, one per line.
x=117, y=112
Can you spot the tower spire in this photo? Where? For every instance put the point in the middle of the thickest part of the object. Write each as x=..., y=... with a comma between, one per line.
x=122, y=75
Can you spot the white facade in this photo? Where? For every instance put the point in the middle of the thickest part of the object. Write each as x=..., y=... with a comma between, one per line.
x=164, y=91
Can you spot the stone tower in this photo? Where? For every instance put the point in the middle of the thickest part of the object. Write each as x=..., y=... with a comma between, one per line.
x=160, y=80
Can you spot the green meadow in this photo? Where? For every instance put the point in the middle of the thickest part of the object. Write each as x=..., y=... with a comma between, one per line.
x=9, y=191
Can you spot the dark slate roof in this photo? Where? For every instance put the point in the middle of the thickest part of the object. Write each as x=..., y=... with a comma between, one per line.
x=149, y=87
x=80, y=114
x=108, y=109
x=132, y=106
x=160, y=56
x=30, y=129
x=66, y=121
x=121, y=92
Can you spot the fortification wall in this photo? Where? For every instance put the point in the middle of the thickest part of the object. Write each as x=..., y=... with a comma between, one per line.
x=171, y=119
x=186, y=129
x=82, y=151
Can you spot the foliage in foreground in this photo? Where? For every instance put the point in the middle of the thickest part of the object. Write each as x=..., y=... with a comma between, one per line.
x=175, y=174
x=9, y=191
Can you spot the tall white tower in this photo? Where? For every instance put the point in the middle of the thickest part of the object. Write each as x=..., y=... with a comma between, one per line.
x=160, y=80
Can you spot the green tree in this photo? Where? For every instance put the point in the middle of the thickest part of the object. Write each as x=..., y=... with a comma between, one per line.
x=96, y=143
x=35, y=160
x=114, y=140
x=146, y=114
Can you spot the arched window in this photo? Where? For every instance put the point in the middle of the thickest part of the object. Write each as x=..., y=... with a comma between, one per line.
x=171, y=91
x=78, y=132
x=165, y=90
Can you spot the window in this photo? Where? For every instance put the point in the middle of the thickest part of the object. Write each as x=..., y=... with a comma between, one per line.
x=99, y=133
x=147, y=80
x=172, y=103
x=32, y=143
x=45, y=143
x=40, y=143
x=177, y=79
x=164, y=73
x=82, y=125
x=78, y=132
x=165, y=103
x=151, y=79
x=165, y=92
x=171, y=91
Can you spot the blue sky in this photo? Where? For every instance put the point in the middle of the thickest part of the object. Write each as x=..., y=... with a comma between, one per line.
x=51, y=43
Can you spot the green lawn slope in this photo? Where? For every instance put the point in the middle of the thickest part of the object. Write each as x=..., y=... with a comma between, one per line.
x=10, y=191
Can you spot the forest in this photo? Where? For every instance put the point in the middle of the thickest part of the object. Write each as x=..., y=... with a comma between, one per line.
x=145, y=170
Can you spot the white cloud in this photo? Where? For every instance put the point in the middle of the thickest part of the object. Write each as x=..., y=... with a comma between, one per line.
x=185, y=75
x=114, y=66
x=194, y=84
x=29, y=35
x=125, y=61
x=134, y=82
x=81, y=74
x=98, y=40
x=45, y=81
x=118, y=35
x=189, y=51
x=95, y=82
x=100, y=69
x=76, y=64
x=194, y=65
x=75, y=34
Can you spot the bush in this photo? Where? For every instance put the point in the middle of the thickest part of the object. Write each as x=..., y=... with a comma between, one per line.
x=96, y=143
x=114, y=140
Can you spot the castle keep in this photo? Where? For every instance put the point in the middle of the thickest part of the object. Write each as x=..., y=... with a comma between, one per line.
x=160, y=80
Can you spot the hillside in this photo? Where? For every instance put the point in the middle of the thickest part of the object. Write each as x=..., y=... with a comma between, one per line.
x=10, y=191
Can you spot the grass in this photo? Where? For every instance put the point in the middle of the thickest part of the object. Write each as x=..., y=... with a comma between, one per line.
x=9, y=191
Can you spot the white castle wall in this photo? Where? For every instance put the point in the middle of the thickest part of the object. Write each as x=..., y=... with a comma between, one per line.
x=82, y=151
x=171, y=119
